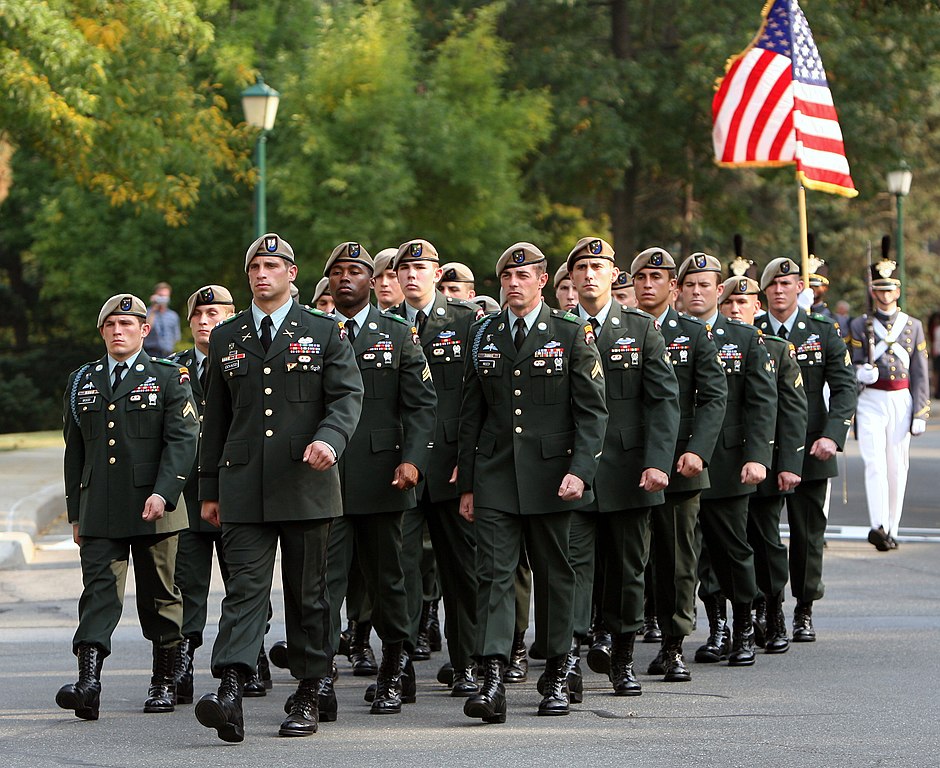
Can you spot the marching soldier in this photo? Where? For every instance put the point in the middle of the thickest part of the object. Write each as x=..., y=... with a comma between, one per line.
x=823, y=359
x=642, y=400
x=130, y=440
x=743, y=452
x=443, y=326
x=890, y=354
x=739, y=301
x=703, y=391
x=283, y=398
x=391, y=445
x=532, y=427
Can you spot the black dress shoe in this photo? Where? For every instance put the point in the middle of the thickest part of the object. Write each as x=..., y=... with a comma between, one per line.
x=223, y=710
x=304, y=715
x=278, y=655
x=878, y=538
x=490, y=703
x=161, y=697
x=445, y=675
x=892, y=542
x=803, y=630
x=465, y=682
x=84, y=695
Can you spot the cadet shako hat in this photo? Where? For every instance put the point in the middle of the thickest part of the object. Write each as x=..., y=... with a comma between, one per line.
x=561, y=274
x=781, y=267
x=489, y=304
x=415, y=250
x=322, y=289
x=455, y=272
x=384, y=259
x=352, y=252
x=590, y=248
x=122, y=304
x=270, y=244
x=623, y=280
x=652, y=258
x=519, y=255
x=699, y=262
x=818, y=272
x=882, y=273
x=208, y=294
x=738, y=286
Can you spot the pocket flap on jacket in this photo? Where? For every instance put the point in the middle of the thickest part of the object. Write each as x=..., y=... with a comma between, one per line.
x=631, y=438
x=486, y=444
x=560, y=444
x=386, y=439
x=145, y=474
x=731, y=437
x=451, y=428
x=235, y=452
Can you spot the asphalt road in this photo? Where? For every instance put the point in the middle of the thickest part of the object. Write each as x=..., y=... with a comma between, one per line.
x=865, y=694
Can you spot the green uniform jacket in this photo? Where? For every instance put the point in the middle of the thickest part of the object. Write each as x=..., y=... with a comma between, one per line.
x=531, y=416
x=264, y=408
x=445, y=339
x=703, y=391
x=791, y=415
x=397, y=422
x=643, y=403
x=747, y=433
x=823, y=359
x=138, y=441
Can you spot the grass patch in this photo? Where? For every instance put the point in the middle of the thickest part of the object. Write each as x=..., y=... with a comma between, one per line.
x=15, y=441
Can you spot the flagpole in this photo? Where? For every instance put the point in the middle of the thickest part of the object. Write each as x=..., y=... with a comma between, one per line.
x=804, y=244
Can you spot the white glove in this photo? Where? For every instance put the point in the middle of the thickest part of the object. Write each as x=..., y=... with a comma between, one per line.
x=918, y=427
x=806, y=299
x=866, y=374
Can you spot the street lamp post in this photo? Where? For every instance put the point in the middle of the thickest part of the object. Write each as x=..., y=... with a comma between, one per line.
x=899, y=185
x=259, y=103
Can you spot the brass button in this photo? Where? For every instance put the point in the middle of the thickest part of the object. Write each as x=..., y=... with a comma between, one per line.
x=111, y=407
x=143, y=405
x=267, y=390
x=112, y=441
x=517, y=392
x=269, y=433
x=268, y=412
x=517, y=372
x=112, y=460
x=84, y=407
x=110, y=425
x=518, y=411
x=267, y=369
x=228, y=463
x=568, y=451
x=518, y=430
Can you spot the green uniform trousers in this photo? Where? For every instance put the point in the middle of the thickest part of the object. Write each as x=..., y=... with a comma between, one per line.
x=454, y=542
x=430, y=584
x=358, y=606
x=249, y=550
x=708, y=585
x=674, y=559
x=499, y=537
x=807, y=535
x=582, y=555
x=624, y=537
x=523, y=586
x=724, y=532
x=770, y=553
x=376, y=540
x=104, y=574
x=193, y=575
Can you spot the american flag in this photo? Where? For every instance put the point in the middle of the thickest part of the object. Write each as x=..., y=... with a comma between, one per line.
x=773, y=106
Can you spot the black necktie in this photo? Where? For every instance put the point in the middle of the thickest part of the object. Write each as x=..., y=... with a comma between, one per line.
x=351, y=330
x=420, y=320
x=202, y=373
x=267, y=325
x=595, y=324
x=782, y=333
x=519, y=337
x=118, y=374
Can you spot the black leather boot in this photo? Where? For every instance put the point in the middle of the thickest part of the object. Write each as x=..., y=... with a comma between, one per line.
x=388, y=685
x=658, y=665
x=598, y=656
x=303, y=716
x=183, y=671
x=223, y=710
x=760, y=620
x=161, y=697
x=776, y=640
x=345, y=637
x=278, y=655
x=435, y=639
x=326, y=701
x=360, y=651
x=256, y=685
x=409, y=680
x=84, y=695
x=803, y=631
x=490, y=703
x=465, y=682
x=445, y=675
x=517, y=671
x=621, y=674
x=716, y=646
x=674, y=668
x=555, y=699
x=575, y=680
x=742, y=637
x=422, y=649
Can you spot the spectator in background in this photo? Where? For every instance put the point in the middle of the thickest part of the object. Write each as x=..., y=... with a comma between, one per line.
x=843, y=318
x=933, y=338
x=164, y=323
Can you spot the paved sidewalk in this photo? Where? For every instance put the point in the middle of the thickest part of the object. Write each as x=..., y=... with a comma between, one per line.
x=32, y=495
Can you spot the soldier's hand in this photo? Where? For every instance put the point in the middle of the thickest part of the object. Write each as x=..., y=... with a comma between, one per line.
x=75, y=537
x=466, y=507
x=753, y=473
x=653, y=479
x=823, y=449
x=153, y=508
x=571, y=488
x=406, y=476
x=787, y=481
x=453, y=477
x=690, y=465
x=319, y=456
x=210, y=513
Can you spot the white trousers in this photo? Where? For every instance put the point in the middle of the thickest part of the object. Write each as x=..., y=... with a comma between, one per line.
x=884, y=440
